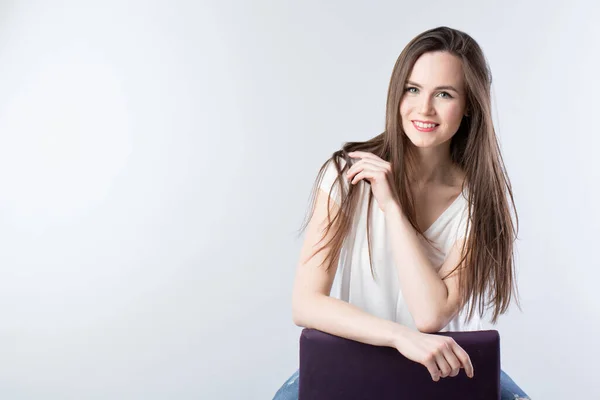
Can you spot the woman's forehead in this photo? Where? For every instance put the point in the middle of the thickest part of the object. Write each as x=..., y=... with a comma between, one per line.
x=437, y=69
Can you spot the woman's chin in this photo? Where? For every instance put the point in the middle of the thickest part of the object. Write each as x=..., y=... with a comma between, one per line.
x=426, y=140
x=423, y=143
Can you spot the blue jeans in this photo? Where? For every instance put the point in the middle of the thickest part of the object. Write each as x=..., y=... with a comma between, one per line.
x=509, y=389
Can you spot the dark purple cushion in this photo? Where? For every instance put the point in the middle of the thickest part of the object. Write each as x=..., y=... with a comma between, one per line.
x=334, y=368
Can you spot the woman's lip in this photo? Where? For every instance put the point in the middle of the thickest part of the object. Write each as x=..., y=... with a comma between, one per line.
x=424, y=122
x=424, y=129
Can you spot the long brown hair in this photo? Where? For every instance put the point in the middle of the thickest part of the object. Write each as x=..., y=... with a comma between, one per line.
x=487, y=265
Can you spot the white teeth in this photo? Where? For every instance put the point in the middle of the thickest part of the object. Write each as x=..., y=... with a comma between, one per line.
x=422, y=125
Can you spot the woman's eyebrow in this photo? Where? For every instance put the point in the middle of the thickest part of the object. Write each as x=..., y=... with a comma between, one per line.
x=447, y=87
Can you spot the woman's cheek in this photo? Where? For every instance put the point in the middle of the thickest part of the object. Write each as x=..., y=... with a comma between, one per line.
x=403, y=108
x=453, y=114
x=406, y=108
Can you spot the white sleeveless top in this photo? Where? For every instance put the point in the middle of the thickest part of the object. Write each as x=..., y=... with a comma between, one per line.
x=382, y=296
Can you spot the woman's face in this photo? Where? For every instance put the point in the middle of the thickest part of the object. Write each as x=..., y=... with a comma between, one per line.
x=434, y=94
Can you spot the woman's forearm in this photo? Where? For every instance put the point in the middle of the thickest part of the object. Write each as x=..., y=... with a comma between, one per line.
x=339, y=318
x=424, y=291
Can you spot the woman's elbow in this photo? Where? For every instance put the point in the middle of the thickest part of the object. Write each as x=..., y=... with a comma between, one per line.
x=297, y=318
x=430, y=325
x=304, y=307
x=299, y=306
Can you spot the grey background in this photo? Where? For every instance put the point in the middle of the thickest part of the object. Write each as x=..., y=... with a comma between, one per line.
x=156, y=160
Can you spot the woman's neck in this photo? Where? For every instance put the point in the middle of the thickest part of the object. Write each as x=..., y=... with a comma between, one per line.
x=433, y=166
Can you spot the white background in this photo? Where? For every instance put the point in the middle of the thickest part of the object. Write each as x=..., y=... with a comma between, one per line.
x=156, y=160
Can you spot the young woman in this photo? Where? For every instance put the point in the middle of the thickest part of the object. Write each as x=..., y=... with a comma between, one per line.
x=437, y=242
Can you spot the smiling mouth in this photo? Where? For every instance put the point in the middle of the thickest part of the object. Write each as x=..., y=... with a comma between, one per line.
x=424, y=127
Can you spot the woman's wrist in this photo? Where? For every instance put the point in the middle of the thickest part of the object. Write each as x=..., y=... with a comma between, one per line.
x=393, y=208
x=398, y=334
x=394, y=213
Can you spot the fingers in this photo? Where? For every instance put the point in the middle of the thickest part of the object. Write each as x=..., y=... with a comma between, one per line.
x=447, y=361
x=431, y=365
x=360, y=176
x=463, y=357
x=357, y=173
x=453, y=362
x=369, y=174
x=367, y=166
x=370, y=158
x=363, y=154
x=442, y=364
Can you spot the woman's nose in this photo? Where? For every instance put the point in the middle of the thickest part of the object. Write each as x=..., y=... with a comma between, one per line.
x=426, y=106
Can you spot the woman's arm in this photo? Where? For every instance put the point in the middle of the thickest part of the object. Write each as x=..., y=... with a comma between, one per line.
x=342, y=319
x=432, y=302
x=313, y=308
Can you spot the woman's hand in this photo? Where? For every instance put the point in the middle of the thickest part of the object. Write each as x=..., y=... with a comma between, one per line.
x=441, y=355
x=378, y=172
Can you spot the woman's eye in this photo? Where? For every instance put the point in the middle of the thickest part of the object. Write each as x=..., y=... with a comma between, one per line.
x=444, y=95
x=448, y=96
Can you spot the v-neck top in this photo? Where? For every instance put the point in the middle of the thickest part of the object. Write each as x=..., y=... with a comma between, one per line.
x=382, y=296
